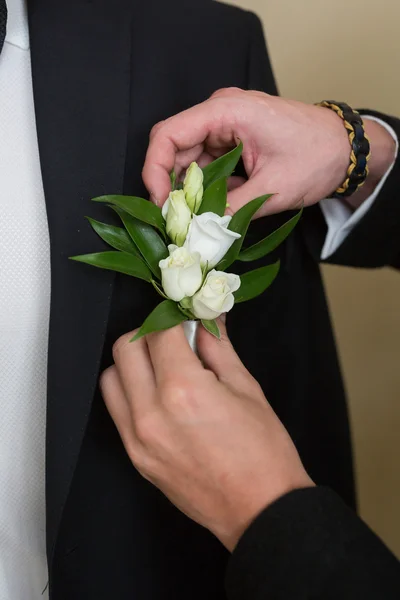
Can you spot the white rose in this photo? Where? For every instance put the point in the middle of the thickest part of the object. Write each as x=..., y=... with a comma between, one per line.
x=177, y=215
x=216, y=295
x=209, y=235
x=181, y=273
x=193, y=187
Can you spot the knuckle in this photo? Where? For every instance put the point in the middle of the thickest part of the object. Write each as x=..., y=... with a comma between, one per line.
x=156, y=128
x=106, y=379
x=136, y=453
x=149, y=467
x=177, y=394
x=228, y=91
x=106, y=383
x=260, y=95
x=148, y=430
x=256, y=387
x=122, y=344
x=175, y=389
x=242, y=379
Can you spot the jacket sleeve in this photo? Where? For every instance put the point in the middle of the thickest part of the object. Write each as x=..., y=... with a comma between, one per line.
x=309, y=545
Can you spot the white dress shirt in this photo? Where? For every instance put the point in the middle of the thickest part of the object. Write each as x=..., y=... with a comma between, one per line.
x=24, y=316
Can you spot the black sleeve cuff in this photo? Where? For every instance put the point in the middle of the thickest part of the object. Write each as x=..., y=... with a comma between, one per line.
x=309, y=545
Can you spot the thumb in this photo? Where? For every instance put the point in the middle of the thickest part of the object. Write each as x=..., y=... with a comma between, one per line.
x=255, y=187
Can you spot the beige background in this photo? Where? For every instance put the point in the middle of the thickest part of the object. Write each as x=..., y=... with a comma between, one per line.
x=351, y=51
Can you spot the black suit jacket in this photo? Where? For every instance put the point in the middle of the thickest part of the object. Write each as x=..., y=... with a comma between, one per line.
x=103, y=73
x=310, y=546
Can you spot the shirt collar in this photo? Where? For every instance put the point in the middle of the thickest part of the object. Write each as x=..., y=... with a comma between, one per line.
x=17, y=24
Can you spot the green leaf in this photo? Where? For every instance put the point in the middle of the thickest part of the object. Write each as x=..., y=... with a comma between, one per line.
x=172, y=177
x=212, y=327
x=164, y=316
x=188, y=313
x=151, y=246
x=141, y=209
x=240, y=223
x=214, y=199
x=117, y=261
x=256, y=282
x=222, y=167
x=158, y=289
x=114, y=236
x=268, y=244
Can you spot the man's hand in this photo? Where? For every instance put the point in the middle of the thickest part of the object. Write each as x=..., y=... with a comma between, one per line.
x=206, y=437
x=299, y=151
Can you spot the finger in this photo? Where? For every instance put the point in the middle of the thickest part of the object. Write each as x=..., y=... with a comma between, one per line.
x=210, y=155
x=253, y=188
x=184, y=158
x=118, y=406
x=135, y=370
x=266, y=181
x=216, y=146
x=171, y=355
x=235, y=181
x=204, y=159
x=219, y=355
x=181, y=132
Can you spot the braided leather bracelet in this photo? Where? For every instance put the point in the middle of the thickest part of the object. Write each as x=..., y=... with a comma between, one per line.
x=360, y=148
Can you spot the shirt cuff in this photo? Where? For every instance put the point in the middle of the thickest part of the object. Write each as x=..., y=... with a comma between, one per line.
x=340, y=219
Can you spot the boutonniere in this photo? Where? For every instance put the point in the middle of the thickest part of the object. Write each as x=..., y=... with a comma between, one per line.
x=186, y=249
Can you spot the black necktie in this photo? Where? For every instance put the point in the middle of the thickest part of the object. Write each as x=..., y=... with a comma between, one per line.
x=3, y=22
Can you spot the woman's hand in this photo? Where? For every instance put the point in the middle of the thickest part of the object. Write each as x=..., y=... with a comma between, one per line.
x=206, y=437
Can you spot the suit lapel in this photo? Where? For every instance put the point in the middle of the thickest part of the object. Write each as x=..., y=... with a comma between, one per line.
x=80, y=65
